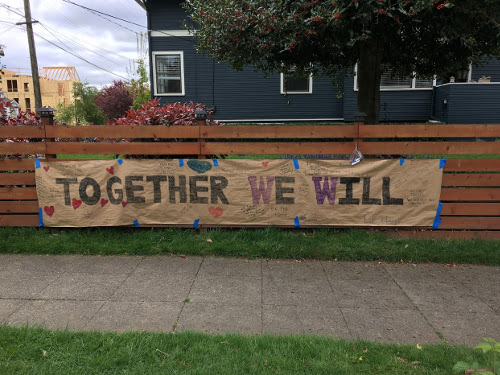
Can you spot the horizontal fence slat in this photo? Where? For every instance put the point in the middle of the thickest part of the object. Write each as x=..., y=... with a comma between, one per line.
x=105, y=131
x=459, y=222
x=419, y=148
x=472, y=165
x=18, y=207
x=470, y=194
x=471, y=180
x=19, y=220
x=470, y=209
x=17, y=165
x=289, y=131
x=128, y=148
x=17, y=193
x=284, y=148
x=429, y=131
x=22, y=132
x=17, y=179
x=22, y=148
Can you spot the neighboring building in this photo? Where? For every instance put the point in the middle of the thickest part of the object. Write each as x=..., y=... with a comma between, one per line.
x=181, y=74
x=10, y=108
x=56, y=86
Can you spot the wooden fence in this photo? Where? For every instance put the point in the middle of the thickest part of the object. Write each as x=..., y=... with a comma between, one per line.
x=470, y=191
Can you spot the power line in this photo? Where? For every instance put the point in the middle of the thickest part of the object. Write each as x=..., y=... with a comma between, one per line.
x=73, y=25
x=104, y=14
x=124, y=20
x=77, y=56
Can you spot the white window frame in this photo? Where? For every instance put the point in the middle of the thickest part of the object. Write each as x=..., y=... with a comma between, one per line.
x=282, y=86
x=412, y=88
x=163, y=53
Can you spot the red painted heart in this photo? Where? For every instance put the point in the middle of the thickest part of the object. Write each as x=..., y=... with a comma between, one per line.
x=111, y=170
x=49, y=210
x=124, y=203
x=76, y=203
x=265, y=163
x=104, y=202
x=216, y=212
x=46, y=169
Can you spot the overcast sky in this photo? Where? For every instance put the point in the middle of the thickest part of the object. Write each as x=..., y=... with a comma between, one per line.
x=92, y=37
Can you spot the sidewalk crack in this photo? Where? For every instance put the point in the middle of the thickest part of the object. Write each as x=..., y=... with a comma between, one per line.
x=174, y=328
x=427, y=321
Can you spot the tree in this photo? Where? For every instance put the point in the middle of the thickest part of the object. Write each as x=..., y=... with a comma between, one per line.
x=139, y=88
x=114, y=100
x=83, y=110
x=423, y=37
x=139, y=82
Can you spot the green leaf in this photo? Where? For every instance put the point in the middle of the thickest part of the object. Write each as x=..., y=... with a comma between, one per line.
x=460, y=367
x=485, y=347
x=497, y=347
x=488, y=339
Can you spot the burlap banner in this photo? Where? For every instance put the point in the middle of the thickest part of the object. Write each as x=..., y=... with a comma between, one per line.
x=238, y=192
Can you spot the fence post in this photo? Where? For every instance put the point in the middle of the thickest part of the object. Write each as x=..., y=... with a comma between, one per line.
x=47, y=115
x=200, y=116
x=359, y=122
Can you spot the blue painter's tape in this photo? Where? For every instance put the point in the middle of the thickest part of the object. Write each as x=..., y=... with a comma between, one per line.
x=40, y=217
x=195, y=224
x=296, y=163
x=120, y=161
x=437, y=219
x=297, y=222
x=136, y=224
x=181, y=162
x=216, y=162
x=442, y=163
x=401, y=161
x=37, y=163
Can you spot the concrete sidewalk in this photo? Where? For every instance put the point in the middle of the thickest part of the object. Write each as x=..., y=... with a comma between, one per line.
x=400, y=303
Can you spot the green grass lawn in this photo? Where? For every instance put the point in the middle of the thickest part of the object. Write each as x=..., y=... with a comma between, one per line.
x=349, y=245
x=37, y=351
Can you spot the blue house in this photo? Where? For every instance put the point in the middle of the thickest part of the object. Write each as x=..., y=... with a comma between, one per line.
x=181, y=74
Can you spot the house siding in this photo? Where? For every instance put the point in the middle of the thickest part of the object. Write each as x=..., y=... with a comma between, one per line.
x=250, y=96
x=246, y=95
x=489, y=69
x=408, y=105
x=473, y=103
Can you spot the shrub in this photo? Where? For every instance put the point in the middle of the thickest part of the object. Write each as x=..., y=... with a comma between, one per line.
x=175, y=114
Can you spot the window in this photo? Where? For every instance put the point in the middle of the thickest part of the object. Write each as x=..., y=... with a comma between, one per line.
x=27, y=102
x=168, y=73
x=12, y=85
x=295, y=85
x=394, y=83
x=26, y=87
x=389, y=82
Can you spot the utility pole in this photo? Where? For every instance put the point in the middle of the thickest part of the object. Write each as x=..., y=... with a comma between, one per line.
x=34, y=63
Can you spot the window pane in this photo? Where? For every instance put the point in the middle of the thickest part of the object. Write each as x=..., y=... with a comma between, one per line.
x=296, y=84
x=168, y=74
x=391, y=82
x=423, y=83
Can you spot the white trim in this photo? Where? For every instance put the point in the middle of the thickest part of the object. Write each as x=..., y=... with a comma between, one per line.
x=283, y=120
x=283, y=92
x=170, y=33
x=469, y=83
x=181, y=53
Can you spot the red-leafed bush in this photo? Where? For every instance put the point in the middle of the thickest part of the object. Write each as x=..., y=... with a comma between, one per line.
x=22, y=119
x=114, y=100
x=175, y=114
